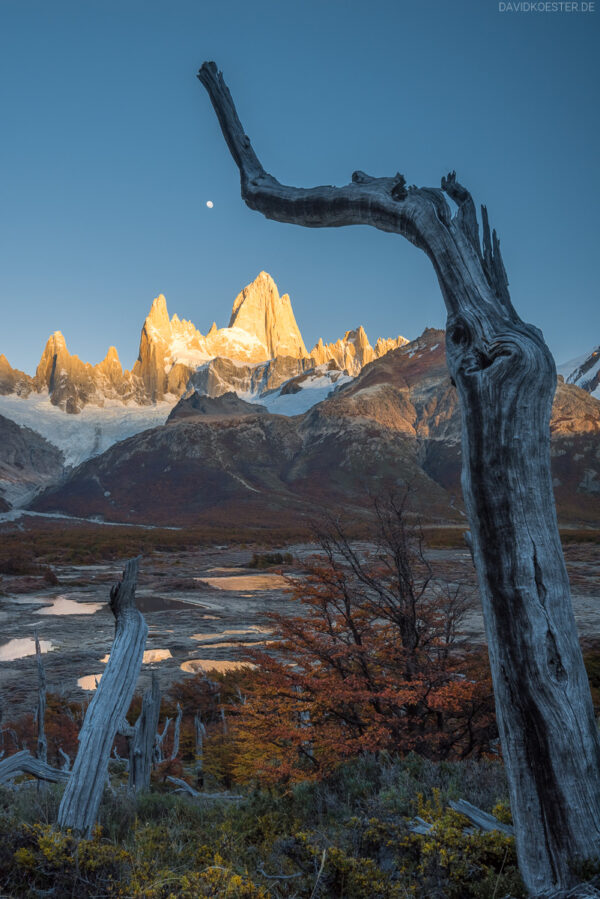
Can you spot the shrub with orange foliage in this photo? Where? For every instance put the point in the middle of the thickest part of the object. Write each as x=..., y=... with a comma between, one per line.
x=373, y=662
x=63, y=721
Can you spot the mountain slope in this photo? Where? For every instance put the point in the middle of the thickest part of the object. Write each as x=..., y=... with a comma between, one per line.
x=584, y=372
x=397, y=422
x=27, y=463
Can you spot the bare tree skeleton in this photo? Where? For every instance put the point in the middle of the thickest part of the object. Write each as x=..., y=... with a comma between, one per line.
x=142, y=738
x=505, y=377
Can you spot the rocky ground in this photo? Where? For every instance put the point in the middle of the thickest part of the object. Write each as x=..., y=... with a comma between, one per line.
x=202, y=608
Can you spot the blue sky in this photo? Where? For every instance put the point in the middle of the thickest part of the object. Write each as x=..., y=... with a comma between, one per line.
x=110, y=150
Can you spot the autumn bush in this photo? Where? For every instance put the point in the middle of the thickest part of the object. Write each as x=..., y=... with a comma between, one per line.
x=372, y=661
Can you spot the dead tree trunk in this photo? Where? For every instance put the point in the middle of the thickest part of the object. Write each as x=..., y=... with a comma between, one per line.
x=42, y=745
x=176, y=734
x=159, y=755
x=79, y=807
x=505, y=377
x=200, y=732
x=143, y=738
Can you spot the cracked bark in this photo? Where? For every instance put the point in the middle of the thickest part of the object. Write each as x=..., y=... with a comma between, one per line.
x=505, y=377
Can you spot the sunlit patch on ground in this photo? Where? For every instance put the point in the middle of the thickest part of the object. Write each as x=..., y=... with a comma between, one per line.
x=60, y=605
x=150, y=656
x=21, y=647
x=89, y=681
x=233, y=632
x=247, y=582
x=193, y=666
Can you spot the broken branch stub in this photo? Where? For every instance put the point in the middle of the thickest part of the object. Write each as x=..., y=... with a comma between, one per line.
x=79, y=807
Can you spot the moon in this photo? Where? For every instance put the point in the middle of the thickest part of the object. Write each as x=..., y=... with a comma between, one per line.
x=210, y=204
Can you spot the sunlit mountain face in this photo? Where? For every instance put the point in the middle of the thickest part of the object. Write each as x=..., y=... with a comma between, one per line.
x=245, y=424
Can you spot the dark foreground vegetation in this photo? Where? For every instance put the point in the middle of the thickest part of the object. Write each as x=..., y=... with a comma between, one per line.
x=344, y=836
x=344, y=832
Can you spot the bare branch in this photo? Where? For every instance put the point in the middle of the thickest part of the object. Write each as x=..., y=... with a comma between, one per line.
x=384, y=203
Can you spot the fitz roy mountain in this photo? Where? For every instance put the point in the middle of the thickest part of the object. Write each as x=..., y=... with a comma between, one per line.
x=82, y=409
x=224, y=461
x=244, y=426
x=262, y=342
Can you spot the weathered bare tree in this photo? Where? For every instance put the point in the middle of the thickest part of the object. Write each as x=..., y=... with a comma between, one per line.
x=200, y=733
x=176, y=734
x=142, y=738
x=159, y=743
x=106, y=712
x=42, y=744
x=505, y=377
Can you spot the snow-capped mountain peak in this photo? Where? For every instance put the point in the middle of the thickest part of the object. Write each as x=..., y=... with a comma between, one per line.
x=584, y=371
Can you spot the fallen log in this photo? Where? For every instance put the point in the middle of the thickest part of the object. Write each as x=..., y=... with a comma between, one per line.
x=79, y=807
x=184, y=787
x=481, y=820
x=24, y=763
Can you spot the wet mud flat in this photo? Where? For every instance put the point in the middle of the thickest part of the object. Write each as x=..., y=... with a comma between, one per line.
x=203, y=609
x=583, y=565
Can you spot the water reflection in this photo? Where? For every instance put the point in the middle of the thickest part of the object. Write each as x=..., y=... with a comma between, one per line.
x=22, y=647
x=239, y=643
x=234, y=632
x=89, y=682
x=194, y=666
x=247, y=582
x=150, y=655
x=60, y=605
